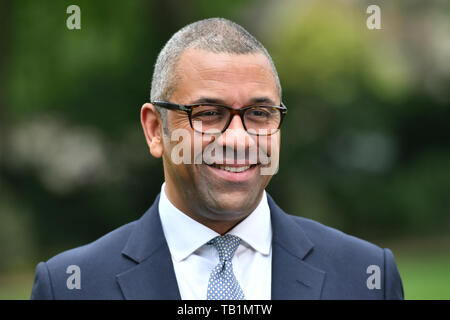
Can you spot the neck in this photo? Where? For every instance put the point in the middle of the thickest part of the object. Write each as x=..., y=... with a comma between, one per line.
x=205, y=216
x=221, y=227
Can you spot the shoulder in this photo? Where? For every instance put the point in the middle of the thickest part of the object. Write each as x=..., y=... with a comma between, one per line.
x=351, y=262
x=106, y=248
x=332, y=247
x=96, y=264
x=332, y=240
x=321, y=238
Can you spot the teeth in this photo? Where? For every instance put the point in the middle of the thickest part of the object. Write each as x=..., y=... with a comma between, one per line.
x=232, y=169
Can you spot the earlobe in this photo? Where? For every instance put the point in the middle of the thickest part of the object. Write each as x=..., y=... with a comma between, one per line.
x=156, y=147
x=151, y=124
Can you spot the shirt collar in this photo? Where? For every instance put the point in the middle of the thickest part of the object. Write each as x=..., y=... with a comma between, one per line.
x=256, y=229
x=184, y=235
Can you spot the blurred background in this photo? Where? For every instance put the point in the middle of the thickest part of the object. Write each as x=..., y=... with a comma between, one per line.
x=365, y=145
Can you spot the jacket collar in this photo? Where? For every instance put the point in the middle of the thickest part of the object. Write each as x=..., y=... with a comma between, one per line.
x=153, y=277
x=292, y=277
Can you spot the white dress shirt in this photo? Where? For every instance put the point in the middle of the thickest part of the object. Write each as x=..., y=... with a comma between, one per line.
x=193, y=260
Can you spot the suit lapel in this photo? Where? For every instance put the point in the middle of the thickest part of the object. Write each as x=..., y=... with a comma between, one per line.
x=153, y=277
x=292, y=277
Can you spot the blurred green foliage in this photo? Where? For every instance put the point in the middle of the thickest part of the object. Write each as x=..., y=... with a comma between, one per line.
x=365, y=145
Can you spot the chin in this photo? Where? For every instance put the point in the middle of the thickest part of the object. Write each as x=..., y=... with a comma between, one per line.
x=232, y=206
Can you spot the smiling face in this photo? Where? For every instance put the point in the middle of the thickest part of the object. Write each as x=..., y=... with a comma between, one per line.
x=218, y=196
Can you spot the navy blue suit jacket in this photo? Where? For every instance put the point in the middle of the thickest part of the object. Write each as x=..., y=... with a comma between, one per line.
x=309, y=261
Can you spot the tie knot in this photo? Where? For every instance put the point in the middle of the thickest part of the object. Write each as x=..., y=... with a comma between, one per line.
x=226, y=246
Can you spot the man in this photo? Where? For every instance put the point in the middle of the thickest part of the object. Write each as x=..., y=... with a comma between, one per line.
x=213, y=232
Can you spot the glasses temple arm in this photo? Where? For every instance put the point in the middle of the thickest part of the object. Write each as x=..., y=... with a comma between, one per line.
x=170, y=105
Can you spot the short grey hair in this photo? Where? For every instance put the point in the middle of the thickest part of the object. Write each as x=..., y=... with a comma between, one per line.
x=217, y=35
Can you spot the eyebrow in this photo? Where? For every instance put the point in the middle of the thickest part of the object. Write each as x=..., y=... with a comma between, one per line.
x=256, y=100
x=209, y=100
x=264, y=100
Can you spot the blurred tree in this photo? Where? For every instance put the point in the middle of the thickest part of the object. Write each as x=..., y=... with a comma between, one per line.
x=365, y=143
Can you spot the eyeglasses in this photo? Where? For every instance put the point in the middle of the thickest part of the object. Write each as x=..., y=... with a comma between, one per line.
x=212, y=118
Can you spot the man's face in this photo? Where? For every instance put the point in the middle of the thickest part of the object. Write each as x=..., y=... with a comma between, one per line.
x=210, y=192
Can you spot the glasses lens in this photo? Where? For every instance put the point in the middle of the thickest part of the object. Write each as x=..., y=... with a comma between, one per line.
x=209, y=119
x=259, y=120
x=262, y=120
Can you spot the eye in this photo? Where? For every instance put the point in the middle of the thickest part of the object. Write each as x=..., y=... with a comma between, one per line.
x=206, y=113
x=259, y=112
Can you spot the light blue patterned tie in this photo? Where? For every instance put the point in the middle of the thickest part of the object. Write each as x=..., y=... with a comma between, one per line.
x=222, y=283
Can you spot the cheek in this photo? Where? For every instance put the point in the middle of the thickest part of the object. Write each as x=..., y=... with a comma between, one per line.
x=269, y=152
x=183, y=148
x=199, y=144
x=269, y=144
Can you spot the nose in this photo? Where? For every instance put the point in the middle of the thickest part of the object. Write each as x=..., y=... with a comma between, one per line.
x=236, y=124
x=237, y=139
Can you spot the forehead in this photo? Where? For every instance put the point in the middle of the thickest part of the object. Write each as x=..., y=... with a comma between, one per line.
x=234, y=78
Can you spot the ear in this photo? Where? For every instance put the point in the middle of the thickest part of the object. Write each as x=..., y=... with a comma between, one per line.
x=152, y=125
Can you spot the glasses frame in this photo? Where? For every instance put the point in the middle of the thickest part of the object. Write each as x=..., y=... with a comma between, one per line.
x=189, y=107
